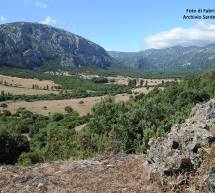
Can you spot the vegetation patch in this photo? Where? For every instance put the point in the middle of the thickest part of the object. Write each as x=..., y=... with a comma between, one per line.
x=111, y=128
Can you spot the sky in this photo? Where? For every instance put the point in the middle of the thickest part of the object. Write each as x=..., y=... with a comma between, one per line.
x=119, y=25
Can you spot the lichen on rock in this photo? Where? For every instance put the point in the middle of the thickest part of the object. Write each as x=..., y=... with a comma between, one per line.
x=185, y=147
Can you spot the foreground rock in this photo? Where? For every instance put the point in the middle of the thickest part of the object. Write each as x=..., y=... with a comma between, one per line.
x=181, y=153
x=118, y=174
x=210, y=179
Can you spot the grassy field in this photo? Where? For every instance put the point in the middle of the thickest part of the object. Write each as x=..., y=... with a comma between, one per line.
x=140, y=90
x=19, y=86
x=44, y=107
x=26, y=83
x=26, y=91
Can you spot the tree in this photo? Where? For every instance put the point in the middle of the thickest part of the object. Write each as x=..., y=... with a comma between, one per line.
x=11, y=146
x=141, y=82
x=132, y=82
x=146, y=83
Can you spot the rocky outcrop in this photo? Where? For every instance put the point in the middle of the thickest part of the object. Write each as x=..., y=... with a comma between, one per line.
x=31, y=45
x=209, y=179
x=181, y=153
x=115, y=174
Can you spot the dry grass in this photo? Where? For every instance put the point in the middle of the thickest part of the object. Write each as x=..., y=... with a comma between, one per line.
x=15, y=85
x=44, y=107
x=142, y=90
x=26, y=83
x=27, y=91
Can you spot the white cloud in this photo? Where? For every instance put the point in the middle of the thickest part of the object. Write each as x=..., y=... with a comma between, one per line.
x=199, y=35
x=41, y=4
x=49, y=21
x=2, y=18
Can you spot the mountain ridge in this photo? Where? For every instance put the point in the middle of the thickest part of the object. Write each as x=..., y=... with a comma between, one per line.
x=32, y=45
x=191, y=58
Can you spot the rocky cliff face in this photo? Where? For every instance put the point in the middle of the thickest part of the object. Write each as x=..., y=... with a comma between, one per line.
x=31, y=45
x=180, y=155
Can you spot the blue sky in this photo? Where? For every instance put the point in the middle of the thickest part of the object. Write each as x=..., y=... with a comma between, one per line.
x=122, y=25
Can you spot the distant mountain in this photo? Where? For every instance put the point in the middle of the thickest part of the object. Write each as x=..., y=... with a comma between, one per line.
x=32, y=45
x=173, y=59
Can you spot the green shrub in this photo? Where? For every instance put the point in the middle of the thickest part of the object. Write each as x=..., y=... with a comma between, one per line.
x=57, y=117
x=3, y=105
x=99, y=80
x=26, y=159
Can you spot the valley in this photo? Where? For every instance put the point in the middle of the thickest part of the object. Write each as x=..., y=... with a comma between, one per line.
x=33, y=86
x=77, y=118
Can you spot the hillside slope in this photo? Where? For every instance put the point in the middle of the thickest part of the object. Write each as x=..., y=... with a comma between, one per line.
x=31, y=45
x=182, y=162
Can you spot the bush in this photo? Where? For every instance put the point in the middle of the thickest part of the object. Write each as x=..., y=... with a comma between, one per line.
x=59, y=143
x=99, y=80
x=68, y=109
x=132, y=82
x=6, y=113
x=57, y=117
x=3, y=105
x=26, y=159
x=11, y=146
